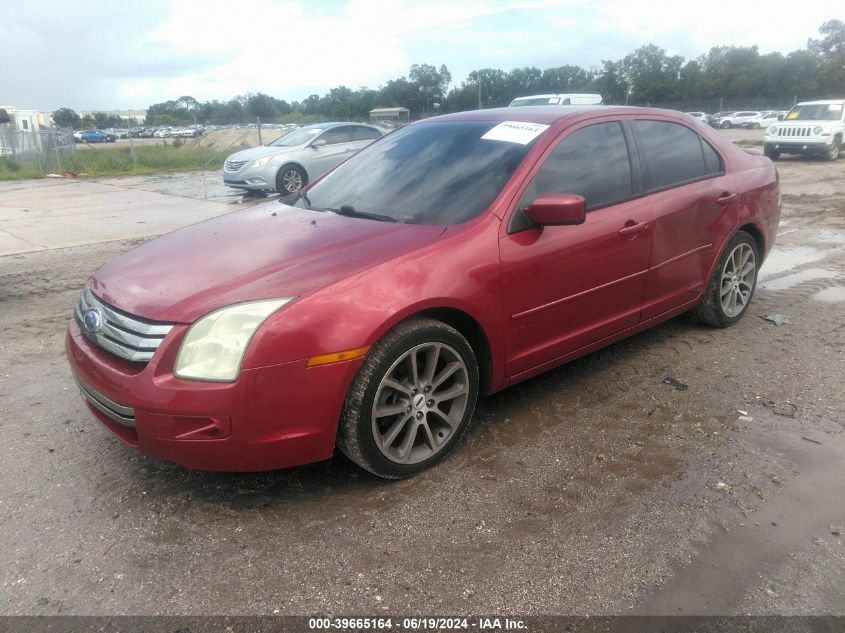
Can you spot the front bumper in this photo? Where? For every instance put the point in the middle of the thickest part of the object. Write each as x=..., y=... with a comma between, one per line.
x=271, y=417
x=261, y=178
x=797, y=145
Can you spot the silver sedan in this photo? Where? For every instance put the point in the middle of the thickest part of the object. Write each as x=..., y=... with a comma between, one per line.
x=292, y=161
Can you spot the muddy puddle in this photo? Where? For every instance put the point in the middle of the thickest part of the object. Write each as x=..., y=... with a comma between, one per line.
x=807, y=504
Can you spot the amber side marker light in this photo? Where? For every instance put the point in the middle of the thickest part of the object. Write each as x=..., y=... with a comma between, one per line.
x=349, y=354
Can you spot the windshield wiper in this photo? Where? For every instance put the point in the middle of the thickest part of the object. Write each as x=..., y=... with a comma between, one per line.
x=293, y=197
x=350, y=211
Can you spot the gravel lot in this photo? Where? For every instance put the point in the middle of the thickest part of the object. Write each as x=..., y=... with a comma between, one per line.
x=593, y=489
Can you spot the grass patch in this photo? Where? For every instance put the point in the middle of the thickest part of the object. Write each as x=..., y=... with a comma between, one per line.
x=11, y=169
x=117, y=161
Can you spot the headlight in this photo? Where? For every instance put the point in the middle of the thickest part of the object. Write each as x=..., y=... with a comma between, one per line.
x=772, y=130
x=263, y=160
x=215, y=345
x=817, y=130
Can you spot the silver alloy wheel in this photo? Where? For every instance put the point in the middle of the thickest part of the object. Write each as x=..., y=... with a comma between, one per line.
x=737, y=281
x=292, y=180
x=420, y=403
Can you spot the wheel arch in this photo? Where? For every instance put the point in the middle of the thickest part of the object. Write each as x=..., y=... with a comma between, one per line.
x=753, y=230
x=299, y=166
x=472, y=331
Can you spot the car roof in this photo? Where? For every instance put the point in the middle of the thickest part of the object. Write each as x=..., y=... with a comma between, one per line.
x=544, y=114
x=823, y=102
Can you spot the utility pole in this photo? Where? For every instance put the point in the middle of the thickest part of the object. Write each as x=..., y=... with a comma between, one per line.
x=479, y=94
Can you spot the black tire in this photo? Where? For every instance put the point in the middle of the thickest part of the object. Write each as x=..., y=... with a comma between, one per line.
x=356, y=434
x=833, y=151
x=710, y=311
x=772, y=154
x=290, y=173
x=725, y=125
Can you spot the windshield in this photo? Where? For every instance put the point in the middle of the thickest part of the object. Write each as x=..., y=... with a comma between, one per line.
x=815, y=112
x=426, y=173
x=297, y=137
x=516, y=103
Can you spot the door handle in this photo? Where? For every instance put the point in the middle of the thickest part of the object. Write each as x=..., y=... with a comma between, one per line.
x=632, y=229
x=726, y=198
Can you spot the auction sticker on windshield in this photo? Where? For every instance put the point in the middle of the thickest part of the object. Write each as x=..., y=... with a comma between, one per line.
x=515, y=132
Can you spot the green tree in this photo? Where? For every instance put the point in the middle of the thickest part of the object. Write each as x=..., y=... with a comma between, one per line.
x=565, y=79
x=611, y=82
x=652, y=74
x=430, y=85
x=830, y=50
x=492, y=85
x=65, y=117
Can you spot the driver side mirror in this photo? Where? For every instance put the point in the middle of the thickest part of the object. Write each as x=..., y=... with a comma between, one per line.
x=318, y=143
x=780, y=117
x=557, y=209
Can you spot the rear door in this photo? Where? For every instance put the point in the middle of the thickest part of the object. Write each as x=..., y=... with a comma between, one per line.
x=565, y=287
x=694, y=203
x=362, y=135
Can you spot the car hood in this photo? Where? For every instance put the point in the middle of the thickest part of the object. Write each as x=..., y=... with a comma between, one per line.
x=262, y=150
x=269, y=251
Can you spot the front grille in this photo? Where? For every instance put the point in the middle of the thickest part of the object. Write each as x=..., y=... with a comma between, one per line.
x=234, y=165
x=117, y=412
x=789, y=132
x=122, y=334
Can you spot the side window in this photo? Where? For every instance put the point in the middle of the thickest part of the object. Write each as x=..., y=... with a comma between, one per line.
x=712, y=160
x=672, y=152
x=336, y=135
x=361, y=133
x=591, y=162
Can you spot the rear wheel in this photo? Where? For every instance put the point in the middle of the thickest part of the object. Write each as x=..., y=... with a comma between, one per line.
x=411, y=401
x=290, y=179
x=732, y=284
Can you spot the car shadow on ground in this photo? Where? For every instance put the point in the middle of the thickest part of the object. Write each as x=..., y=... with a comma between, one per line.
x=587, y=381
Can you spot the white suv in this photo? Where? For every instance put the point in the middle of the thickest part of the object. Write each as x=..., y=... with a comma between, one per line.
x=812, y=127
x=737, y=118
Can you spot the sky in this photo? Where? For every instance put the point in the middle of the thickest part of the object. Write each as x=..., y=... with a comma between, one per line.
x=93, y=55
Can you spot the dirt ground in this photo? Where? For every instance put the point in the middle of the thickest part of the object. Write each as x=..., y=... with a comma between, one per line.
x=593, y=489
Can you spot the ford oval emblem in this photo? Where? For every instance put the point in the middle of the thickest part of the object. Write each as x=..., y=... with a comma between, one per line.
x=92, y=320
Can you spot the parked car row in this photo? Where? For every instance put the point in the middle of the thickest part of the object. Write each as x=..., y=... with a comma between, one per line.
x=749, y=119
x=94, y=136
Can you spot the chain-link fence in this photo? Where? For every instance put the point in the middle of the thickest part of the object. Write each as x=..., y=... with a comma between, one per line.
x=712, y=106
x=44, y=151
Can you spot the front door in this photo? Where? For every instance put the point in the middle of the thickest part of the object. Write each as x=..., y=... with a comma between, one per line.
x=329, y=150
x=566, y=287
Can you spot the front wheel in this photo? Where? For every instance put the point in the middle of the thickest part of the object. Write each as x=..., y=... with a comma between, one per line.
x=725, y=125
x=772, y=154
x=732, y=284
x=290, y=179
x=411, y=400
x=833, y=150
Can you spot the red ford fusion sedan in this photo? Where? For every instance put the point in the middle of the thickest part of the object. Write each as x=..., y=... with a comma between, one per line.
x=448, y=260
